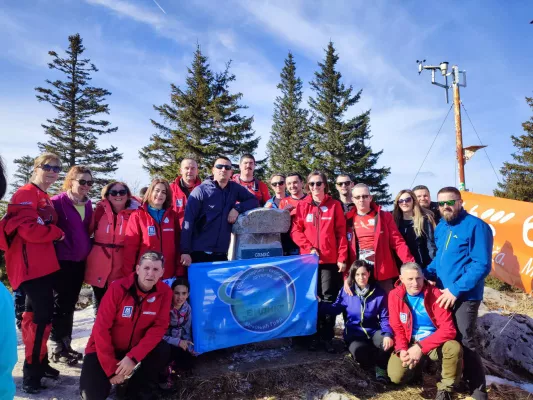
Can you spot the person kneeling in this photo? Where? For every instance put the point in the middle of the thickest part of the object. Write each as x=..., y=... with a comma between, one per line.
x=367, y=332
x=422, y=329
x=127, y=337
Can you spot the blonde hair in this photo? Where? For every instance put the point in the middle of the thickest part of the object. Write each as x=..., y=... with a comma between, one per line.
x=71, y=175
x=148, y=194
x=43, y=159
x=419, y=213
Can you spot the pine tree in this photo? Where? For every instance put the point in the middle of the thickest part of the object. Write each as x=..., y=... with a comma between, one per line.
x=204, y=123
x=73, y=134
x=23, y=173
x=518, y=176
x=288, y=146
x=340, y=146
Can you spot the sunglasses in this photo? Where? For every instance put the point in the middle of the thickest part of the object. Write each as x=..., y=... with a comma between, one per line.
x=345, y=183
x=406, y=200
x=280, y=183
x=446, y=203
x=48, y=168
x=83, y=182
x=121, y=192
x=223, y=166
x=362, y=196
x=318, y=184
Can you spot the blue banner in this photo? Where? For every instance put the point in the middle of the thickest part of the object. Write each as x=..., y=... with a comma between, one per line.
x=247, y=301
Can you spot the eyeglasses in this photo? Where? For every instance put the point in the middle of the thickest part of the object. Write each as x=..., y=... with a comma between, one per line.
x=406, y=200
x=446, y=203
x=362, y=196
x=345, y=183
x=48, y=168
x=318, y=184
x=223, y=166
x=121, y=192
x=280, y=183
x=83, y=182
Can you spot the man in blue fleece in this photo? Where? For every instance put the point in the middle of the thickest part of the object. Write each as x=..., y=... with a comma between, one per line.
x=463, y=260
x=211, y=211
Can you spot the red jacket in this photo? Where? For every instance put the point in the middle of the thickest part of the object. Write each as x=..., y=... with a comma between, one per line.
x=27, y=235
x=144, y=233
x=293, y=202
x=256, y=187
x=129, y=321
x=387, y=238
x=105, y=262
x=179, y=198
x=322, y=228
x=401, y=321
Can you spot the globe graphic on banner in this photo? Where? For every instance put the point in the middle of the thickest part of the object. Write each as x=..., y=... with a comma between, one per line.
x=261, y=299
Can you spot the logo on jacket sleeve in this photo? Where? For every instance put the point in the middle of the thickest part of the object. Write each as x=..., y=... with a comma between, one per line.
x=151, y=300
x=179, y=202
x=151, y=231
x=403, y=317
x=127, y=311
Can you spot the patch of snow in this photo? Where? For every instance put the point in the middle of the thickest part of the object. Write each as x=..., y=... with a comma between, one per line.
x=528, y=387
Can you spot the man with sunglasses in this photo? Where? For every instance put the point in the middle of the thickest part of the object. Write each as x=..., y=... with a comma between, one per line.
x=376, y=238
x=183, y=185
x=344, y=185
x=424, y=199
x=211, y=210
x=247, y=179
x=295, y=187
x=463, y=260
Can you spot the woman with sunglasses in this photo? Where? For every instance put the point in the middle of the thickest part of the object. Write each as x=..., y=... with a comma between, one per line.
x=31, y=263
x=319, y=228
x=74, y=210
x=416, y=225
x=154, y=226
x=277, y=181
x=109, y=223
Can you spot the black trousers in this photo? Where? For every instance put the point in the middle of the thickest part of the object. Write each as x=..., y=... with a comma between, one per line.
x=98, y=294
x=95, y=385
x=66, y=293
x=329, y=284
x=465, y=319
x=369, y=352
x=181, y=359
x=201, y=256
x=36, y=322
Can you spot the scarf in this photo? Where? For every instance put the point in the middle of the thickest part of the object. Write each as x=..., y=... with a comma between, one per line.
x=362, y=292
x=75, y=201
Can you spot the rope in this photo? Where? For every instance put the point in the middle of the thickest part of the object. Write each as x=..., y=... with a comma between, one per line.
x=480, y=142
x=430, y=147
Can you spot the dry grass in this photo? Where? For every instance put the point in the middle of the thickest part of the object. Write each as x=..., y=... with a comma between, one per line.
x=524, y=305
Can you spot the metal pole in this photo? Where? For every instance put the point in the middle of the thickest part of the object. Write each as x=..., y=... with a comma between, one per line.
x=459, y=133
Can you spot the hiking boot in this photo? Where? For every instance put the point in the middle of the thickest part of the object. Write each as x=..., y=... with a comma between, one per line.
x=64, y=357
x=443, y=395
x=381, y=376
x=50, y=372
x=32, y=385
x=77, y=355
x=328, y=345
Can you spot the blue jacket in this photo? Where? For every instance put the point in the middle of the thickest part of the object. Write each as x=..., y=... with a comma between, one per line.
x=205, y=224
x=8, y=349
x=464, y=256
x=365, y=315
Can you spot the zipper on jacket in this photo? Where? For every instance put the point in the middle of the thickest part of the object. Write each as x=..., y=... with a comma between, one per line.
x=363, y=308
x=448, y=240
x=25, y=257
x=136, y=316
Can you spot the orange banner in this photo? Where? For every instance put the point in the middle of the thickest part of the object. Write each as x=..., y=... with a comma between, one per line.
x=511, y=222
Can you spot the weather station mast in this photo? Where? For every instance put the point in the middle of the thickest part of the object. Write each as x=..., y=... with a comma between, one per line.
x=455, y=75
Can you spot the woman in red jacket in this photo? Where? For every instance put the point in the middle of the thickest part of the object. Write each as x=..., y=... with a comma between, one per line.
x=319, y=228
x=110, y=219
x=27, y=235
x=154, y=226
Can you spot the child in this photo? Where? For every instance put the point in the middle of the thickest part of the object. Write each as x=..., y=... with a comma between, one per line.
x=179, y=333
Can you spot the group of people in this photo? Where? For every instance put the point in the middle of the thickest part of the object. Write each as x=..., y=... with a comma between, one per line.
x=126, y=245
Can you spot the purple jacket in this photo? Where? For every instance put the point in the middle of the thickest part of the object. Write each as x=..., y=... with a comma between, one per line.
x=77, y=243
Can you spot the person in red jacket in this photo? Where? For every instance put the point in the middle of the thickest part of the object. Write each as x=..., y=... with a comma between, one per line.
x=154, y=226
x=422, y=328
x=295, y=186
x=110, y=220
x=27, y=235
x=375, y=238
x=319, y=228
x=247, y=179
x=183, y=185
x=126, y=343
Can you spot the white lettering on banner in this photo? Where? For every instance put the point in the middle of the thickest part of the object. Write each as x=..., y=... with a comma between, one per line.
x=499, y=259
x=266, y=254
x=528, y=268
x=528, y=225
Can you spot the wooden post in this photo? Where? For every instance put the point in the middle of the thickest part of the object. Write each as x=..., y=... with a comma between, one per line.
x=459, y=134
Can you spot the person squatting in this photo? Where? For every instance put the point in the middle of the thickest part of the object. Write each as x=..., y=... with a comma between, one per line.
x=408, y=282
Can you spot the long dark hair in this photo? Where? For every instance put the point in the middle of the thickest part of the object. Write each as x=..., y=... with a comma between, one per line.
x=353, y=269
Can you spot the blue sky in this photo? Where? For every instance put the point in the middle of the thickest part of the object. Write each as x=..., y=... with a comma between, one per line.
x=140, y=50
